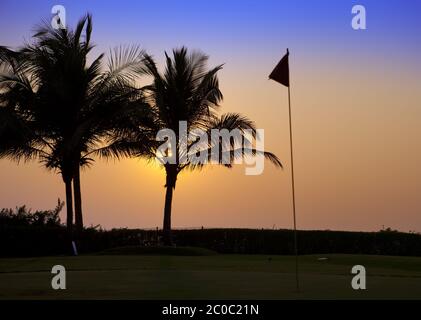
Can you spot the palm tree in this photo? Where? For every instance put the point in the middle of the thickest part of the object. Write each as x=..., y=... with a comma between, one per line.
x=56, y=107
x=187, y=91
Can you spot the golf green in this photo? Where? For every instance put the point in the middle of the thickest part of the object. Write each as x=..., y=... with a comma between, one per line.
x=210, y=277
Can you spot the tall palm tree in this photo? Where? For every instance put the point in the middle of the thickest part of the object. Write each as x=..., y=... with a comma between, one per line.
x=65, y=105
x=186, y=91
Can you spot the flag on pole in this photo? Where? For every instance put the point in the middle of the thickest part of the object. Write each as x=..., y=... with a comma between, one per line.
x=281, y=75
x=281, y=72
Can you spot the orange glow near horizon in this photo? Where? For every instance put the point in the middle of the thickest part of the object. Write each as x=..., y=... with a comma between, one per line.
x=356, y=166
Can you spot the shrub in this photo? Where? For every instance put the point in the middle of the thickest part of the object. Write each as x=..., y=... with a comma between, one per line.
x=22, y=216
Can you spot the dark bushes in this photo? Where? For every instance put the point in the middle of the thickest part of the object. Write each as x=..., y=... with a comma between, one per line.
x=254, y=241
x=21, y=216
x=35, y=240
x=27, y=233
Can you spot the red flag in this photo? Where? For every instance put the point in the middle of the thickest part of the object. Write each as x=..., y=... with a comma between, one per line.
x=281, y=72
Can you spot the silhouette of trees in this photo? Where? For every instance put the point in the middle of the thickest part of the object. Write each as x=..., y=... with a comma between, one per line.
x=58, y=108
x=63, y=111
x=186, y=91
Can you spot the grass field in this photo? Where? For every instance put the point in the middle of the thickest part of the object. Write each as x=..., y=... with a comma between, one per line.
x=210, y=277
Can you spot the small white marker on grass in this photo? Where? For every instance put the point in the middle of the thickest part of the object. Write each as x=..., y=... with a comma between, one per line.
x=74, y=248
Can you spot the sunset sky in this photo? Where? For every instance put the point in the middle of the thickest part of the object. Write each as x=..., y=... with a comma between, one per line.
x=356, y=100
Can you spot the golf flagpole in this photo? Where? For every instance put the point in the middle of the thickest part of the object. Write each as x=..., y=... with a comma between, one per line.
x=281, y=75
x=293, y=190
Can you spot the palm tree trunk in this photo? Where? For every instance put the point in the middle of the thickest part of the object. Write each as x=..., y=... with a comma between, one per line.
x=78, y=200
x=170, y=186
x=69, y=205
x=167, y=216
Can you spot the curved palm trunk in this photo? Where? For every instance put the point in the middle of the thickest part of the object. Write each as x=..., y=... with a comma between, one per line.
x=69, y=205
x=170, y=186
x=78, y=200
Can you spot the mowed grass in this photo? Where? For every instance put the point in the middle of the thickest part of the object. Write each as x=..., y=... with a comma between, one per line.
x=210, y=277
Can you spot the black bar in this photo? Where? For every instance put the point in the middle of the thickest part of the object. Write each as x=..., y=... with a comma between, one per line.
x=208, y=309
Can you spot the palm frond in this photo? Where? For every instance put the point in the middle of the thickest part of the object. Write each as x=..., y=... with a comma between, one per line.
x=125, y=62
